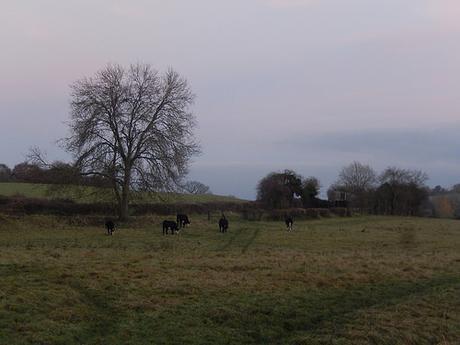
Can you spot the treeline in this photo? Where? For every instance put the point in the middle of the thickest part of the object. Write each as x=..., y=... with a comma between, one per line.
x=61, y=173
x=394, y=191
x=55, y=173
x=358, y=187
x=439, y=190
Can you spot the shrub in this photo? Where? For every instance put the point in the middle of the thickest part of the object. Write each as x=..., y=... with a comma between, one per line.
x=340, y=211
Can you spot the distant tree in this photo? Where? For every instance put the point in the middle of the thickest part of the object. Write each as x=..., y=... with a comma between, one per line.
x=357, y=178
x=132, y=127
x=62, y=173
x=195, y=187
x=401, y=191
x=293, y=181
x=455, y=188
x=437, y=190
x=310, y=191
x=394, y=175
x=5, y=173
x=357, y=181
x=279, y=190
x=27, y=172
x=288, y=189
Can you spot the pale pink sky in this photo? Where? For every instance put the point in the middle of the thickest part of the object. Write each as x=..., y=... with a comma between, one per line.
x=282, y=79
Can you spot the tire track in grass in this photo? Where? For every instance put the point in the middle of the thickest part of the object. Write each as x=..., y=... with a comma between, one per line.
x=98, y=324
x=250, y=240
x=104, y=319
x=232, y=239
x=292, y=318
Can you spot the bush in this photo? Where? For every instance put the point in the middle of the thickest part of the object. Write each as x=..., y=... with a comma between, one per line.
x=296, y=213
x=22, y=205
x=187, y=208
x=324, y=212
x=253, y=211
x=340, y=211
x=252, y=214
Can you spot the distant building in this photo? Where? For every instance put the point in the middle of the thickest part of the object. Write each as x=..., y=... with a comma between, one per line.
x=339, y=198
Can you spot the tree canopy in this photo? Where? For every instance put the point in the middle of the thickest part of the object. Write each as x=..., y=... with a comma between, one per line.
x=132, y=126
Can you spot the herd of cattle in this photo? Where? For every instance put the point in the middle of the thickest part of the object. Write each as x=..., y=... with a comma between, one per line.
x=182, y=221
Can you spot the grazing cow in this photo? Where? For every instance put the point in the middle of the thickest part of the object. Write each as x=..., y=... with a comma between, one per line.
x=223, y=224
x=182, y=220
x=169, y=225
x=110, y=226
x=289, y=222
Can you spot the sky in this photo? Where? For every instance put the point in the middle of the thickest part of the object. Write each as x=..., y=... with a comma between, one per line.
x=309, y=85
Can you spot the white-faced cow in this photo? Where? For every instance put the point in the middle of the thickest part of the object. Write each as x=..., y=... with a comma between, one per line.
x=169, y=225
x=289, y=222
x=182, y=220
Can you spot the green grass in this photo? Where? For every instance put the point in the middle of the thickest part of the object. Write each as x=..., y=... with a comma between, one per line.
x=363, y=280
x=92, y=194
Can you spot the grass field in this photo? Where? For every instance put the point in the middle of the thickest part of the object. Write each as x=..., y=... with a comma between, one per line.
x=367, y=280
x=91, y=194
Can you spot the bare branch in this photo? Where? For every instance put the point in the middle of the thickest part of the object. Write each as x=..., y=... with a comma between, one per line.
x=133, y=126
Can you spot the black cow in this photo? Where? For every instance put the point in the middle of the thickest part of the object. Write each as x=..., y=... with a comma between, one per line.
x=169, y=225
x=110, y=226
x=223, y=224
x=289, y=222
x=182, y=220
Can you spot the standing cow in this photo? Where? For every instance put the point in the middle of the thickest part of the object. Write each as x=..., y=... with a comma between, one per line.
x=223, y=224
x=182, y=220
x=110, y=226
x=289, y=222
x=170, y=225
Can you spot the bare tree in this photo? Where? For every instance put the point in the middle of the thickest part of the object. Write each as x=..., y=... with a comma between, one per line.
x=401, y=191
x=398, y=176
x=357, y=178
x=133, y=127
x=195, y=187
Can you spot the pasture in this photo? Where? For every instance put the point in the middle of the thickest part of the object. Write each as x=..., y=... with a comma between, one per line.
x=362, y=280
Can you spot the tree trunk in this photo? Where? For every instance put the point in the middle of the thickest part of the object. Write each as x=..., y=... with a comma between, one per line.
x=123, y=207
x=124, y=201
